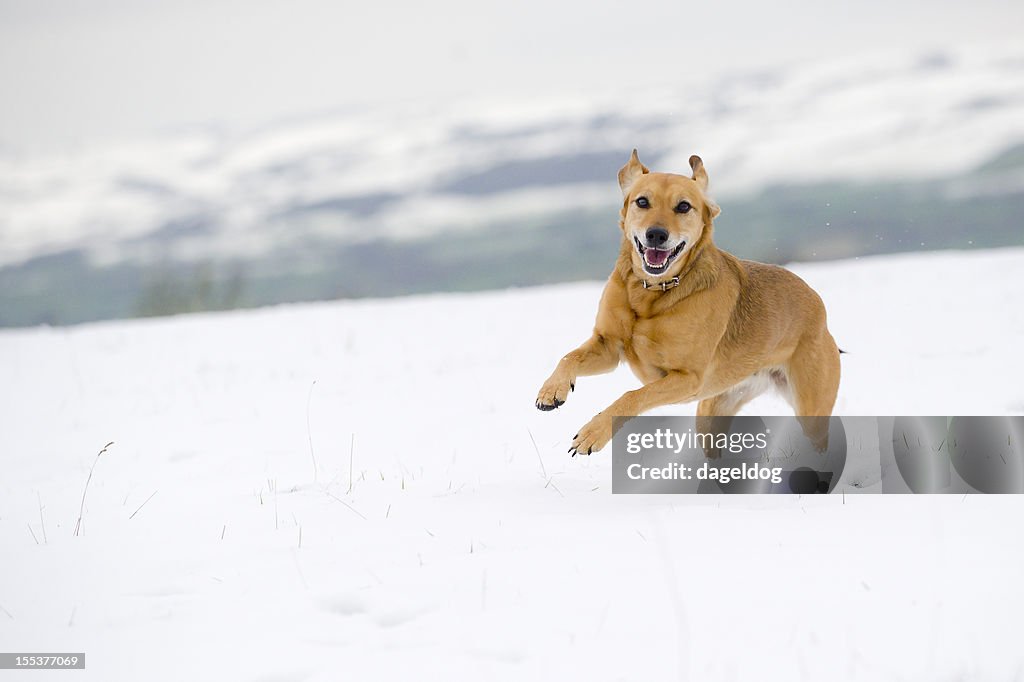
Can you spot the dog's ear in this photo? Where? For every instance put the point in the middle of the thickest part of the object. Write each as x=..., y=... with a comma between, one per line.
x=629, y=173
x=700, y=176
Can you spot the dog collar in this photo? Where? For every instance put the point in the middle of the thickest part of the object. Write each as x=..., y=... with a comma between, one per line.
x=664, y=286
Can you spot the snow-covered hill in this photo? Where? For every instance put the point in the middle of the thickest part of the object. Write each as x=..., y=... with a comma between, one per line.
x=443, y=533
x=211, y=194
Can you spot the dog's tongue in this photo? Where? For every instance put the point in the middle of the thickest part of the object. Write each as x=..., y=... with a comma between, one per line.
x=656, y=256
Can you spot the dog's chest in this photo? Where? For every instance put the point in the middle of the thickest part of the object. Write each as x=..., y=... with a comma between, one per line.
x=646, y=351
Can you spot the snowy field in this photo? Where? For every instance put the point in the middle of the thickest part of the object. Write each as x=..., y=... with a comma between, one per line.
x=433, y=541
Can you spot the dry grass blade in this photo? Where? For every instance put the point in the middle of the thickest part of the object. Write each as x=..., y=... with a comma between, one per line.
x=41, y=521
x=142, y=505
x=349, y=506
x=81, y=507
x=543, y=470
x=309, y=431
x=351, y=459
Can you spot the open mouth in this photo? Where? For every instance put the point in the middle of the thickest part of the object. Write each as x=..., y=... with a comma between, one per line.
x=657, y=261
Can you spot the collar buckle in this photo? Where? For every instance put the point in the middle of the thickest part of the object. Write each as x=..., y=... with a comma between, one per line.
x=664, y=286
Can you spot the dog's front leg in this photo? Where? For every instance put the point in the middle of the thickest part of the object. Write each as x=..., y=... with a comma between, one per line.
x=597, y=355
x=674, y=387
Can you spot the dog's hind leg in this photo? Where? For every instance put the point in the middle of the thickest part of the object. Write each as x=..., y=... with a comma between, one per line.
x=714, y=415
x=812, y=374
x=728, y=403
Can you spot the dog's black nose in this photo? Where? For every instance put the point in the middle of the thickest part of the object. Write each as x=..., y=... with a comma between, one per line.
x=656, y=237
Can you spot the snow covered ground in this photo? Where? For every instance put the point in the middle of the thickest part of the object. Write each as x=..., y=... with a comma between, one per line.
x=432, y=540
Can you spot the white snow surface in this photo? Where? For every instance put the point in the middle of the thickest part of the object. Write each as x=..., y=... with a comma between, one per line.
x=435, y=542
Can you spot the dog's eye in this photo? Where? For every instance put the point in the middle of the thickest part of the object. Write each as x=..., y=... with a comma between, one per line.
x=642, y=202
x=683, y=207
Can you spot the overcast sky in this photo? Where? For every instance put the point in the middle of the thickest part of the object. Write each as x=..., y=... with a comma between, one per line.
x=83, y=72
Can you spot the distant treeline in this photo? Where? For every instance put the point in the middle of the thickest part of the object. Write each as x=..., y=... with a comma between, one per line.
x=778, y=224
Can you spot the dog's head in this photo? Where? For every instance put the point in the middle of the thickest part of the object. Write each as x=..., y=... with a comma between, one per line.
x=664, y=216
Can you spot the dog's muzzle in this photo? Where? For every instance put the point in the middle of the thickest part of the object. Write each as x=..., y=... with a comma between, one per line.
x=656, y=260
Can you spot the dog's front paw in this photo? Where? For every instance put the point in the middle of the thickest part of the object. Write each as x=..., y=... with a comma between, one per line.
x=554, y=392
x=592, y=437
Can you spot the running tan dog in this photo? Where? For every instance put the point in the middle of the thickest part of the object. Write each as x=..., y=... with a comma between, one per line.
x=695, y=322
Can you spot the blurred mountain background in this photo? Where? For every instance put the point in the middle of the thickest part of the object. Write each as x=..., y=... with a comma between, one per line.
x=448, y=177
